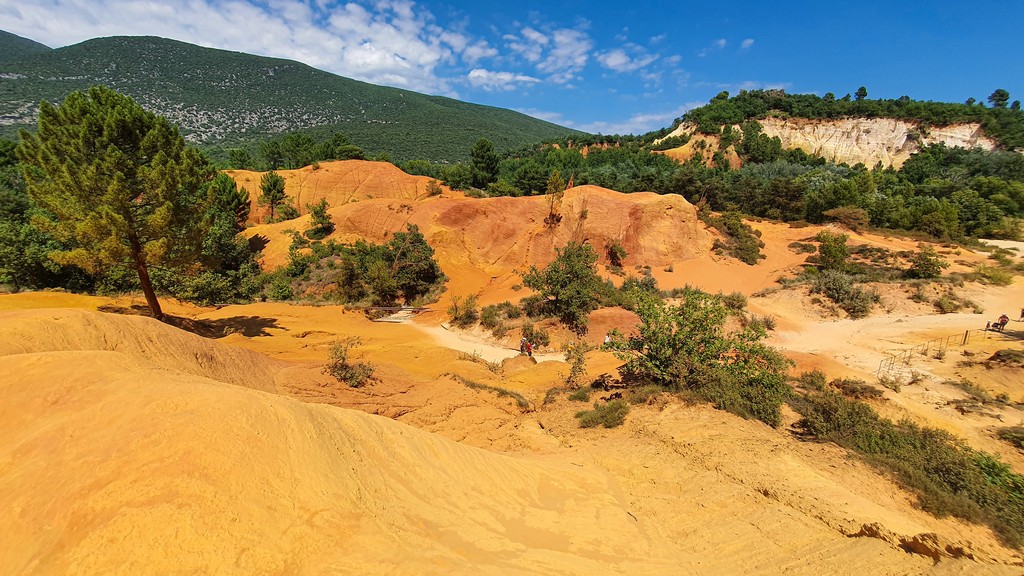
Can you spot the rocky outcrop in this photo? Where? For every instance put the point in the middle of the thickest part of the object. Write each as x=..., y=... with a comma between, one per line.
x=864, y=140
x=927, y=544
x=870, y=141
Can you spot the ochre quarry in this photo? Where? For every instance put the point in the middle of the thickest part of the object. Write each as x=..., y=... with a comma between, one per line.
x=486, y=242
x=867, y=141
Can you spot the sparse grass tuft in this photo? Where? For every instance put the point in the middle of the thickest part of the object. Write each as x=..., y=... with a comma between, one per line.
x=521, y=401
x=976, y=393
x=856, y=388
x=581, y=395
x=1014, y=435
x=608, y=415
x=341, y=366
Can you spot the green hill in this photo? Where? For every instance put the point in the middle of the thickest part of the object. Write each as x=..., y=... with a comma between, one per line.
x=13, y=47
x=223, y=99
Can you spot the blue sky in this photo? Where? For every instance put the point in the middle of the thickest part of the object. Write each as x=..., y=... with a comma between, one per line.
x=599, y=65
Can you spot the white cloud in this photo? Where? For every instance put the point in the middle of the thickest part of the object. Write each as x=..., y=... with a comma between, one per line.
x=748, y=85
x=530, y=45
x=620, y=59
x=747, y=43
x=714, y=47
x=490, y=80
x=568, y=55
x=640, y=123
x=554, y=117
x=477, y=51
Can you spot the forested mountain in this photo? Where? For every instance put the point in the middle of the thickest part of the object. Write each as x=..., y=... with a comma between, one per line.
x=223, y=99
x=13, y=47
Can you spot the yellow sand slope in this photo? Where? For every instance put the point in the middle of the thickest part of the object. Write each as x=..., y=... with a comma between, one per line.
x=140, y=340
x=114, y=465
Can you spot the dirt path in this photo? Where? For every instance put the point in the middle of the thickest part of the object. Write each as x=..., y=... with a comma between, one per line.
x=471, y=344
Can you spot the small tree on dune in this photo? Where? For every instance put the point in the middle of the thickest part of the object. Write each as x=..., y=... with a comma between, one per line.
x=569, y=287
x=271, y=191
x=833, y=251
x=320, y=223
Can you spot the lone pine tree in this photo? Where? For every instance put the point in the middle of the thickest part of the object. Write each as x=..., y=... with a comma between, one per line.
x=118, y=184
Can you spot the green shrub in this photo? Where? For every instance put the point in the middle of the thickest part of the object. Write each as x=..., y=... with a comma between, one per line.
x=279, y=288
x=741, y=240
x=608, y=415
x=947, y=304
x=320, y=224
x=687, y=347
x=615, y=252
x=568, y=287
x=926, y=264
x=581, y=395
x=948, y=477
x=537, y=336
x=813, y=380
x=735, y=301
x=490, y=317
x=463, y=313
x=991, y=275
x=803, y=247
x=576, y=356
x=1014, y=435
x=839, y=288
x=833, y=252
x=493, y=317
x=765, y=323
x=355, y=374
x=856, y=388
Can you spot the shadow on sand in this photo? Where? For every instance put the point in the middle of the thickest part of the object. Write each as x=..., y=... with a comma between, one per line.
x=248, y=326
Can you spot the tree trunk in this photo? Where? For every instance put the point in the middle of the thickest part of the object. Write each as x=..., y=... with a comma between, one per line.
x=144, y=281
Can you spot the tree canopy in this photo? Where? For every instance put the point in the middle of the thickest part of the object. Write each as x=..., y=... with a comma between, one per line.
x=569, y=287
x=118, y=184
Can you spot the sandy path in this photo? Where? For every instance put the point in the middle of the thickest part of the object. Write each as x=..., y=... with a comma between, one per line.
x=471, y=344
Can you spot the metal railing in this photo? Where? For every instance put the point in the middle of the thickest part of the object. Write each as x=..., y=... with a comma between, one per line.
x=898, y=363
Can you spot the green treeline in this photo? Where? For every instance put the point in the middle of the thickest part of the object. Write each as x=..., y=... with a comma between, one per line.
x=1002, y=121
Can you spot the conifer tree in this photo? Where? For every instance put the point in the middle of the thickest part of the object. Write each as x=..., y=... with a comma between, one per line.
x=271, y=191
x=118, y=184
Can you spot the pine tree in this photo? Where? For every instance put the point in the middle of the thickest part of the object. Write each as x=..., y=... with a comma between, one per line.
x=271, y=191
x=119, y=183
x=485, y=163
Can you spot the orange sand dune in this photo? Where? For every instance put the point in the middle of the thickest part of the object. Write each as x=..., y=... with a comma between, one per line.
x=339, y=182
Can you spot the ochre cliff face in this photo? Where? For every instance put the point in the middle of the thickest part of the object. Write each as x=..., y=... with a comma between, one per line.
x=870, y=141
x=864, y=140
